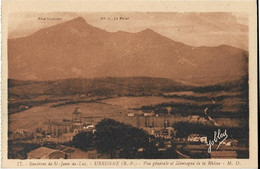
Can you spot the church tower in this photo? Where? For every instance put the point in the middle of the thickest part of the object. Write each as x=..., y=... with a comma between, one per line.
x=76, y=116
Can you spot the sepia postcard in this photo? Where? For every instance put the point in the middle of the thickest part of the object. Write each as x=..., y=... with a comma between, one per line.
x=129, y=84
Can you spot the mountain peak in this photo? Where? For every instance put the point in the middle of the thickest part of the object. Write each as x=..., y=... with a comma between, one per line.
x=148, y=30
x=79, y=24
x=79, y=19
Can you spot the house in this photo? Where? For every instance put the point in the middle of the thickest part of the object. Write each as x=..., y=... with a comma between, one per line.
x=21, y=131
x=203, y=120
x=151, y=131
x=230, y=142
x=194, y=118
x=130, y=114
x=162, y=149
x=46, y=153
x=38, y=135
x=197, y=138
x=223, y=154
x=23, y=107
x=88, y=126
x=49, y=136
x=204, y=139
x=168, y=144
x=194, y=138
x=167, y=133
x=148, y=114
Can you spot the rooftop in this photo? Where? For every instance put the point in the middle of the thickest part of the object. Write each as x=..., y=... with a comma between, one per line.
x=40, y=152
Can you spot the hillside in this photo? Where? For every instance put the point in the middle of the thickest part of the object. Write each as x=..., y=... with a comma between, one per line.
x=224, y=99
x=97, y=86
x=75, y=49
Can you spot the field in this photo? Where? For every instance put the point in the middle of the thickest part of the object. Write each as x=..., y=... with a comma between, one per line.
x=116, y=108
x=35, y=117
x=31, y=104
x=138, y=102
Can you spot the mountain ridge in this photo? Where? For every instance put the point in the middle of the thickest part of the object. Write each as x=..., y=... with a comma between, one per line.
x=77, y=49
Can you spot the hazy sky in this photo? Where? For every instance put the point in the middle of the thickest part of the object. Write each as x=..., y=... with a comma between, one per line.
x=196, y=29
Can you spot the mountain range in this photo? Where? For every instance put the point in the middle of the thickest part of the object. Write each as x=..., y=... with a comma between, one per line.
x=75, y=49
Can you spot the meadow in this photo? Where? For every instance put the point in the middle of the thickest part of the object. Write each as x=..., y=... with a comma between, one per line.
x=33, y=103
x=115, y=108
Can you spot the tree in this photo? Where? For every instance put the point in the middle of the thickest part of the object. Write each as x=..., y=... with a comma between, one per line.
x=118, y=139
x=83, y=140
x=161, y=110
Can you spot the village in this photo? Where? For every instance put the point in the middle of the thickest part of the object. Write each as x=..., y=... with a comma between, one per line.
x=159, y=127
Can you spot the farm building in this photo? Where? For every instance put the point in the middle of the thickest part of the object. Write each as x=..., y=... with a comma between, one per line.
x=46, y=153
